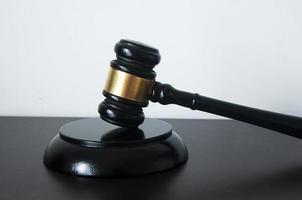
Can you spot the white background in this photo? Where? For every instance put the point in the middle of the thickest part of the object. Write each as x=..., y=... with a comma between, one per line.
x=54, y=55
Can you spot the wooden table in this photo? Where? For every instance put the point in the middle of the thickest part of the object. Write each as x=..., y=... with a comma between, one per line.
x=227, y=160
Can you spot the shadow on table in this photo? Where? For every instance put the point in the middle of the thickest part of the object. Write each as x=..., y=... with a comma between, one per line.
x=276, y=185
x=138, y=187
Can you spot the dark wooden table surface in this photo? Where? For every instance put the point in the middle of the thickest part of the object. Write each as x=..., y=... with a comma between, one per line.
x=227, y=160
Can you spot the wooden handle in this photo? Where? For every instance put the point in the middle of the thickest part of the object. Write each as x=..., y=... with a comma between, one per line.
x=289, y=125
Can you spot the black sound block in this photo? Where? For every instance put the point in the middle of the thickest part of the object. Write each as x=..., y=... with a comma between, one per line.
x=93, y=147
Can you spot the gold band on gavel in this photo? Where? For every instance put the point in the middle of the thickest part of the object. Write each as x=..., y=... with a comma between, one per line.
x=128, y=86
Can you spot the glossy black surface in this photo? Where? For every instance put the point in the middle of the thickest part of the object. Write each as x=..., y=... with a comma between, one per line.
x=93, y=147
x=286, y=124
x=229, y=160
x=96, y=132
x=136, y=58
x=120, y=113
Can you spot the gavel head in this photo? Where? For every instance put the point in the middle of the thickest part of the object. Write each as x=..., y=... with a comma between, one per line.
x=129, y=83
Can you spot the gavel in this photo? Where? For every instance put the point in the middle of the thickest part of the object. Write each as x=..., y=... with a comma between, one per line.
x=129, y=144
x=131, y=85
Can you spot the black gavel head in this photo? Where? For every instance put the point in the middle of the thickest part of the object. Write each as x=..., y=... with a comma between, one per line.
x=129, y=83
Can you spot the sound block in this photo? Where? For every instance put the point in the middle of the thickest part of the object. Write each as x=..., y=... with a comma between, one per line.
x=94, y=147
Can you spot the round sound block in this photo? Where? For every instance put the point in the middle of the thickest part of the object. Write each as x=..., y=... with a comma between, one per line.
x=93, y=147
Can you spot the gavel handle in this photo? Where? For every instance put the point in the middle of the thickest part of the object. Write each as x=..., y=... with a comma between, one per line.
x=289, y=125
